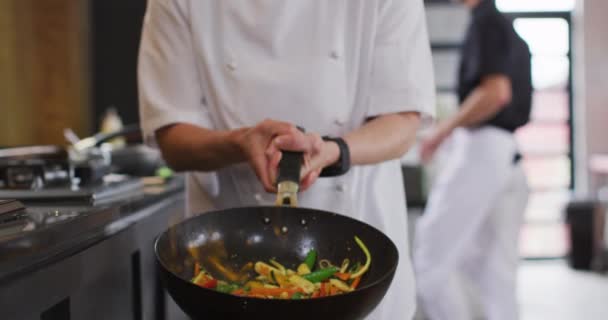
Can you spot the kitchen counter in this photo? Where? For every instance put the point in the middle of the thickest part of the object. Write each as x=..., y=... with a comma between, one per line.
x=87, y=262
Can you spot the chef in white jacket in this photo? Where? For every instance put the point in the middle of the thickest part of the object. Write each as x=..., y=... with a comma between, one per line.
x=224, y=83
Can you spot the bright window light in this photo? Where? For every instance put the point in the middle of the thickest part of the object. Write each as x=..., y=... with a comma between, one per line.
x=545, y=36
x=535, y=5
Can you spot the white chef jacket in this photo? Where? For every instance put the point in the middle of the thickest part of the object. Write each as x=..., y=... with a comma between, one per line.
x=325, y=65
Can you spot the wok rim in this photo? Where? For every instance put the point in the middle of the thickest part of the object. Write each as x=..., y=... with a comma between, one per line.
x=390, y=273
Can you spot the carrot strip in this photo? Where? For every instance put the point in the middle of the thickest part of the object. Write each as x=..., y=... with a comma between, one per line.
x=342, y=276
x=274, y=292
x=238, y=292
x=322, y=292
x=333, y=290
x=197, y=269
x=355, y=283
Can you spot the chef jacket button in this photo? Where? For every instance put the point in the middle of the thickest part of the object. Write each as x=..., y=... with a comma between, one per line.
x=340, y=187
x=231, y=66
x=339, y=122
x=334, y=55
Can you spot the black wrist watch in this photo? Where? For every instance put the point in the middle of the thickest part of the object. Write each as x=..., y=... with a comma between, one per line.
x=343, y=164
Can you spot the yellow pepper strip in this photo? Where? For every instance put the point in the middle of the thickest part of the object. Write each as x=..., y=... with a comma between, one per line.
x=254, y=284
x=344, y=267
x=278, y=266
x=280, y=279
x=225, y=271
x=340, y=285
x=264, y=269
x=307, y=286
x=198, y=277
x=368, y=260
x=303, y=269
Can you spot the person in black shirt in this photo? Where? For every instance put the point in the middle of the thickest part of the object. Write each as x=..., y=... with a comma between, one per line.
x=470, y=227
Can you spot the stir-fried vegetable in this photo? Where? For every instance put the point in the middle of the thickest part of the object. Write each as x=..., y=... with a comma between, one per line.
x=310, y=259
x=275, y=281
x=368, y=260
x=321, y=275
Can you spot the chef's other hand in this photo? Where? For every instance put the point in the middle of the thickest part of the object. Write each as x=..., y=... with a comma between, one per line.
x=254, y=142
x=430, y=145
x=317, y=154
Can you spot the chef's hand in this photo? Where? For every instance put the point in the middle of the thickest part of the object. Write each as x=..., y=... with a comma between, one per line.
x=431, y=144
x=318, y=154
x=254, y=142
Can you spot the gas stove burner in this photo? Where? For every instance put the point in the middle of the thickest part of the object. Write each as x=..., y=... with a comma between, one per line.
x=43, y=167
x=34, y=174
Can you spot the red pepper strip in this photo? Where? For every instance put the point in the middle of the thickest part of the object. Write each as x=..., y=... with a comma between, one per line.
x=210, y=284
x=355, y=283
x=201, y=279
x=316, y=294
x=274, y=292
x=342, y=276
x=322, y=292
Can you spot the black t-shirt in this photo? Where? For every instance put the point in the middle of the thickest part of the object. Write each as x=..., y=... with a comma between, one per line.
x=491, y=47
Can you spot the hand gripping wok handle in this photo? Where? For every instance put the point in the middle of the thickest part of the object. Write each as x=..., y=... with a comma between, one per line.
x=290, y=167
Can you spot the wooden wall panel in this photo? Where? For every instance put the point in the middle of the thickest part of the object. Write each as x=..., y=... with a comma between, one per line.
x=50, y=71
x=13, y=111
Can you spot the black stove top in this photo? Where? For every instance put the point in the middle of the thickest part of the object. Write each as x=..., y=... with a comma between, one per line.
x=111, y=188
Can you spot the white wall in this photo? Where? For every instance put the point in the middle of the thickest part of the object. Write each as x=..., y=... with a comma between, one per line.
x=591, y=86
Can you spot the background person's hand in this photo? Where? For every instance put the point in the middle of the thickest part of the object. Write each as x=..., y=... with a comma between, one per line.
x=430, y=144
x=317, y=154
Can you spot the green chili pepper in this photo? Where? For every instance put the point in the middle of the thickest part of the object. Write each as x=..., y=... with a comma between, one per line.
x=319, y=276
x=226, y=287
x=296, y=296
x=311, y=258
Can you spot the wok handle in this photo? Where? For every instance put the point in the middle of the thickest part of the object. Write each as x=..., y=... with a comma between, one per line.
x=288, y=180
x=290, y=167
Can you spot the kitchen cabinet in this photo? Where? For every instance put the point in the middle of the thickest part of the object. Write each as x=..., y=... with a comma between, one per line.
x=107, y=271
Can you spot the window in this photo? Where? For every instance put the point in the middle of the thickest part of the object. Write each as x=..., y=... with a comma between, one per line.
x=546, y=141
x=535, y=5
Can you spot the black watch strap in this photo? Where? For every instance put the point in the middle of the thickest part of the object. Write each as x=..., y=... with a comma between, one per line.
x=343, y=164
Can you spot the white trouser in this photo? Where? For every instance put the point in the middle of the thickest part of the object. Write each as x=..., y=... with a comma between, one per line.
x=470, y=228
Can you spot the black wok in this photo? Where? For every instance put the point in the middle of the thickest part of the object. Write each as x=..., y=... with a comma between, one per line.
x=242, y=235
x=234, y=237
